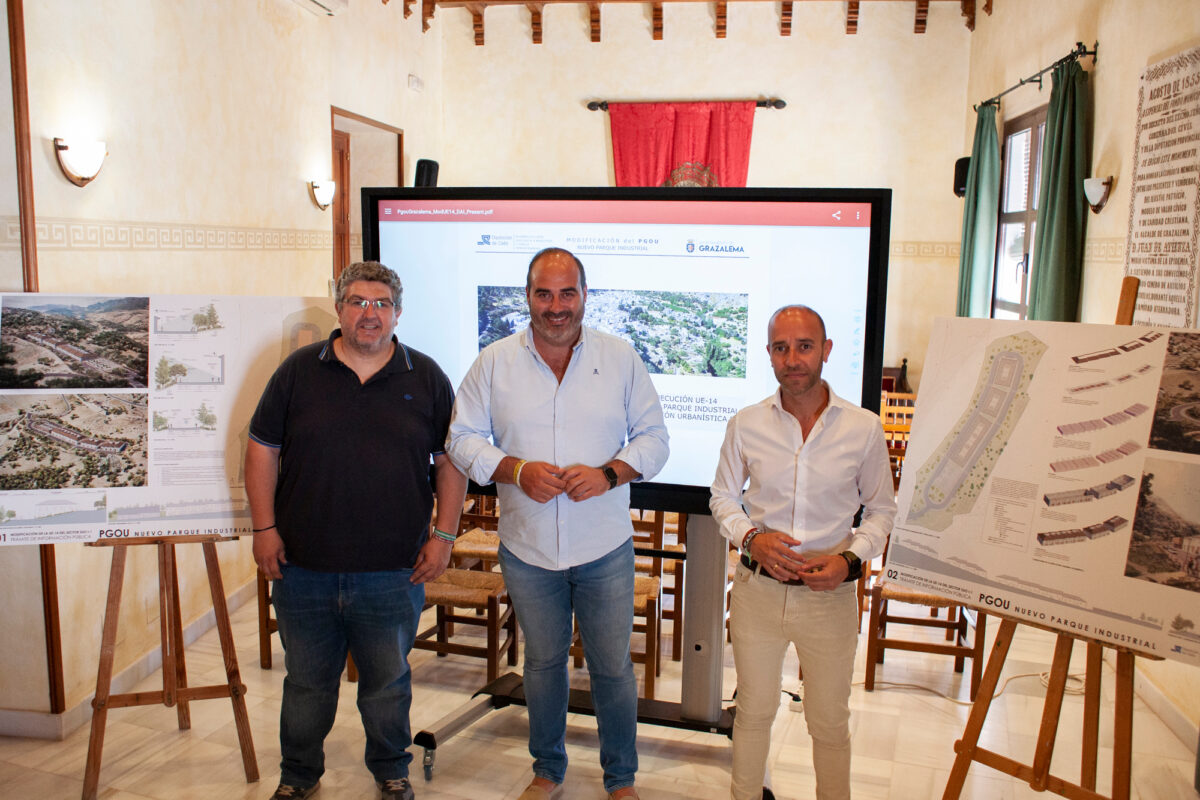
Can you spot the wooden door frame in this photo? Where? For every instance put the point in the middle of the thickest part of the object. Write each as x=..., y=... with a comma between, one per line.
x=340, y=200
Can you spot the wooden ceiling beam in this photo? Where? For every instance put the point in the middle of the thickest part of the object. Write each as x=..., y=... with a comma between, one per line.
x=785, y=18
x=852, y=17
x=594, y=20
x=408, y=4
x=722, y=13
x=535, y=21
x=476, y=10
x=968, y=11
x=922, y=16
x=657, y=18
x=427, y=9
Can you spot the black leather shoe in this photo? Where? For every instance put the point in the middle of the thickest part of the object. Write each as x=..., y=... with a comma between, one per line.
x=395, y=789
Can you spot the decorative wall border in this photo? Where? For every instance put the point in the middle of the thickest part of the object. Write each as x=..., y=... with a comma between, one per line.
x=89, y=234
x=924, y=249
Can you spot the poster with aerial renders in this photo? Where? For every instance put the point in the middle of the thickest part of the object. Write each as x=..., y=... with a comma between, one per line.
x=1164, y=201
x=1051, y=476
x=128, y=416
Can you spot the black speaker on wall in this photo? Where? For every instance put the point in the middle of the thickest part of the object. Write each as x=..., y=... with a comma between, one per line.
x=427, y=171
x=960, y=176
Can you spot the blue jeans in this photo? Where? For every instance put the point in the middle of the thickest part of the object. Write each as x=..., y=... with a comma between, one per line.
x=601, y=595
x=321, y=614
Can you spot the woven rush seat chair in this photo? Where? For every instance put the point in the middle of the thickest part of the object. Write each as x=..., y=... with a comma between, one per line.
x=483, y=592
x=958, y=642
x=477, y=548
x=647, y=620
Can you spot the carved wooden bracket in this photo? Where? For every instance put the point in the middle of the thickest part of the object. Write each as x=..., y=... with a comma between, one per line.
x=476, y=10
x=657, y=15
x=722, y=8
x=785, y=18
x=535, y=21
x=922, y=16
x=968, y=11
x=408, y=4
x=427, y=8
x=594, y=20
x=852, y=16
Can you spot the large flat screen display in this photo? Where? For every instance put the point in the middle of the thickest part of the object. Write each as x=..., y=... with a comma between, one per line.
x=688, y=277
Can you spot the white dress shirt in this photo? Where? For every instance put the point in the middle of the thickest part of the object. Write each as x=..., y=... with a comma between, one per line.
x=809, y=489
x=605, y=408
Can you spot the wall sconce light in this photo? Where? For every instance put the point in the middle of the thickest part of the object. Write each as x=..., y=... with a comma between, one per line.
x=80, y=160
x=321, y=193
x=1097, y=191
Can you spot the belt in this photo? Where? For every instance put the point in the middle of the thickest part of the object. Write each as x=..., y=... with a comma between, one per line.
x=754, y=566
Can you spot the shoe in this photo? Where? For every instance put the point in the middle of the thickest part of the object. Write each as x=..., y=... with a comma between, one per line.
x=535, y=792
x=633, y=796
x=395, y=789
x=768, y=794
x=286, y=791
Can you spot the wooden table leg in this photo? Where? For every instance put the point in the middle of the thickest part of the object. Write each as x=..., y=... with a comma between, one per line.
x=1044, y=750
x=965, y=747
x=1123, y=727
x=237, y=690
x=1091, y=715
x=108, y=638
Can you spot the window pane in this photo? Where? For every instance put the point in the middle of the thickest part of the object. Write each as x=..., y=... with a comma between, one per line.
x=1002, y=313
x=1016, y=187
x=1010, y=263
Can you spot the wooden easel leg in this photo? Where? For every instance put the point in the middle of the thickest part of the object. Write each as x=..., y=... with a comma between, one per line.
x=1123, y=727
x=1044, y=750
x=237, y=690
x=165, y=624
x=1091, y=715
x=116, y=578
x=965, y=747
x=183, y=708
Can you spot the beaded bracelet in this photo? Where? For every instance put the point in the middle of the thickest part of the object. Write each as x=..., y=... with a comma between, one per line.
x=444, y=536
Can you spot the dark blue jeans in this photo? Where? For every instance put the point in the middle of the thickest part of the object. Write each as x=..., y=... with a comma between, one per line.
x=321, y=615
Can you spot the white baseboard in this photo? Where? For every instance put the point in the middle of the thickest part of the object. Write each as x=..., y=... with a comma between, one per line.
x=1179, y=723
x=43, y=725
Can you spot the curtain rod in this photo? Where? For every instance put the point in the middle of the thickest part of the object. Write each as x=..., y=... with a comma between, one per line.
x=775, y=102
x=1079, y=52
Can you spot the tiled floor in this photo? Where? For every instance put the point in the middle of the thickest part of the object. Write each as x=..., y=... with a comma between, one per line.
x=903, y=739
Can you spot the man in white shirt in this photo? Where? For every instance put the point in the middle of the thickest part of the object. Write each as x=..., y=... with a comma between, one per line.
x=562, y=417
x=811, y=460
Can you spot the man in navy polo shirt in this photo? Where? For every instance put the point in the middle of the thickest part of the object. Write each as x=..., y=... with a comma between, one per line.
x=337, y=474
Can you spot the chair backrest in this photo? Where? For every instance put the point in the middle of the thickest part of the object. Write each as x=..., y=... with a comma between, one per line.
x=648, y=529
x=479, y=511
x=896, y=410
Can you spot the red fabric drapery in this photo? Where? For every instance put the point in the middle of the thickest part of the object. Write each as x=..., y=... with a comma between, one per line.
x=681, y=144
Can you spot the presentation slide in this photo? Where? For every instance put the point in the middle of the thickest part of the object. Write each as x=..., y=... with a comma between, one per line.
x=690, y=285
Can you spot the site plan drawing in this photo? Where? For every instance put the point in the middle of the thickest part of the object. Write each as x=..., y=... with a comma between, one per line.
x=1051, y=477
x=128, y=416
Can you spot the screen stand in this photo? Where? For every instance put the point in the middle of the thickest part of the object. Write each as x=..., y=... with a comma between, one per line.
x=703, y=656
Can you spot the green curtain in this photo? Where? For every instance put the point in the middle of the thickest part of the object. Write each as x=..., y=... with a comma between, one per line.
x=977, y=259
x=1057, y=270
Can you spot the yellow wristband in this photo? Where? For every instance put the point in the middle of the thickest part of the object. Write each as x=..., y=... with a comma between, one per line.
x=517, y=472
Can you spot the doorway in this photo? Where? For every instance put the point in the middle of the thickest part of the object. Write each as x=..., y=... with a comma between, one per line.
x=366, y=152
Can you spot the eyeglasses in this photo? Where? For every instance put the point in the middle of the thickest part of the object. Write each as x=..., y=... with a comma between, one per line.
x=363, y=305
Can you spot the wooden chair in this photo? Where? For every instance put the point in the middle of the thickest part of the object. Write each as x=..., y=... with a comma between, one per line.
x=476, y=549
x=655, y=530
x=647, y=607
x=961, y=644
x=896, y=411
x=483, y=592
x=267, y=625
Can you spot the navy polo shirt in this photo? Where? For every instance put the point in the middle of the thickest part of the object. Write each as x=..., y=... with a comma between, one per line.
x=354, y=491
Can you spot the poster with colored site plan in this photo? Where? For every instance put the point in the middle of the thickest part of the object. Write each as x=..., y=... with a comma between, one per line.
x=1051, y=476
x=128, y=416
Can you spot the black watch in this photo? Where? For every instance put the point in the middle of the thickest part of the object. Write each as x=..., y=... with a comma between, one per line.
x=854, y=563
x=611, y=474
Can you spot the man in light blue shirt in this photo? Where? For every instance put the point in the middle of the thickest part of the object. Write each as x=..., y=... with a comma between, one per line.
x=562, y=418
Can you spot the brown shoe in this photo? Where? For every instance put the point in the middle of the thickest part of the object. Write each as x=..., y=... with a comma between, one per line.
x=535, y=792
x=628, y=795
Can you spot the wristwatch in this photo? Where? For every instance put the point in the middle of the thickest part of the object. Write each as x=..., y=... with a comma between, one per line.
x=854, y=563
x=611, y=474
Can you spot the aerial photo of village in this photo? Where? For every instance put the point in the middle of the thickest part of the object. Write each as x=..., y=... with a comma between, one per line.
x=73, y=342
x=61, y=441
x=675, y=333
x=1165, y=546
x=1177, y=413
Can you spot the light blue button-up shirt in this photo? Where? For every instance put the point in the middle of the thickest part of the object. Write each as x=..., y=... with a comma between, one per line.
x=511, y=404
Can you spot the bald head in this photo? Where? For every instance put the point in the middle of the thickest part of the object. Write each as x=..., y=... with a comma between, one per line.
x=795, y=309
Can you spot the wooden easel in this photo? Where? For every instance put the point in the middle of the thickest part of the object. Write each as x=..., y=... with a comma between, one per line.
x=1038, y=774
x=175, y=691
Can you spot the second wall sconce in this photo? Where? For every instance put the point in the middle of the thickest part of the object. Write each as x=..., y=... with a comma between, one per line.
x=1097, y=190
x=321, y=193
x=80, y=160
